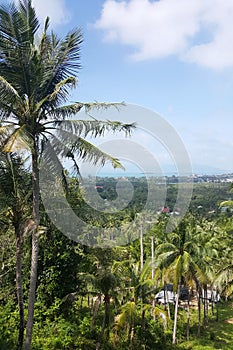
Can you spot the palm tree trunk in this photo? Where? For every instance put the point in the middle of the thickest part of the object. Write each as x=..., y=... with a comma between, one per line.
x=188, y=318
x=141, y=248
x=217, y=301
x=205, y=307
x=34, y=254
x=199, y=312
x=105, y=323
x=176, y=315
x=227, y=277
x=95, y=310
x=19, y=287
x=153, y=272
x=131, y=336
x=143, y=319
x=167, y=300
x=212, y=301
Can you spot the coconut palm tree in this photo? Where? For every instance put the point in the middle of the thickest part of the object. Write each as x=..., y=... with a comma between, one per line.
x=36, y=75
x=14, y=200
x=103, y=282
x=212, y=242
x=176, y=258
x=223, y=265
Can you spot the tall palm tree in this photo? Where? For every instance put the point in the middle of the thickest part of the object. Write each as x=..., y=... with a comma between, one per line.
x=176, y=258
x=103, y=281
x=14, y=198
x=223, y=264
x=36, y=76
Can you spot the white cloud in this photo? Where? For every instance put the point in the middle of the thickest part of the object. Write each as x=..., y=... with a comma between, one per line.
x=55, y=9
x=198, y=31
x=217, y=53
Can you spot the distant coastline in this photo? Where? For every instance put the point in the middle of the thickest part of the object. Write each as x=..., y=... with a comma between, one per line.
x=196, y=170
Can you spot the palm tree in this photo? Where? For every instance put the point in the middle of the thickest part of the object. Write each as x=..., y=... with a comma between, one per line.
x=126, y=320
x=223, y=265
x=176, y=258
x=213, y=242
x=14, y=184
x=104, y=281
x=138, y=287
x=35, y=80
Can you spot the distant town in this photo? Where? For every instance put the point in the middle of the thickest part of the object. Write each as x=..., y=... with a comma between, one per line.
x=172, y=179
x=198, y=178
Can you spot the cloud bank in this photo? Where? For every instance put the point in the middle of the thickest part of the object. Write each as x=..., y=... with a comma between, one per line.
x=195, y=31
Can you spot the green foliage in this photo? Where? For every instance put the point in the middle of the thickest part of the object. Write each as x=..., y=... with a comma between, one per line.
x=79, y=288
x=9, y=320
x=59, y=260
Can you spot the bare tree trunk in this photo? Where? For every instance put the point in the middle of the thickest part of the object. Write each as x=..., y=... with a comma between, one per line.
x=34, y=254
x=19, y=286
x=176, y=315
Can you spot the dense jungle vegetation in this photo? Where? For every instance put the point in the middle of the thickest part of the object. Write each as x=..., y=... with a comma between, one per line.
x=93, y=297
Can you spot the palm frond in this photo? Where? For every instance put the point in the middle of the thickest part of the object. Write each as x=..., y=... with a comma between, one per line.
x=228, y=203
x=18, y=26
x=146, y=271
x=59, y=94
x=69, y=53
x=165, y=247
x=60, y=60
x=18, y=140
x=99, y=106
x=8, y=95
x=86, y=151
x=31, y=22
x=5, y=132
x=53, y=150
x=167, y=258
x=128, y=315
x=94, y=128
x=60, y=113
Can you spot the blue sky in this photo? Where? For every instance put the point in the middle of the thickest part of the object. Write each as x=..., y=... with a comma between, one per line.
x=174, y=57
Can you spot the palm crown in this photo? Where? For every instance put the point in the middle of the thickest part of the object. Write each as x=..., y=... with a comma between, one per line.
x=36, y=75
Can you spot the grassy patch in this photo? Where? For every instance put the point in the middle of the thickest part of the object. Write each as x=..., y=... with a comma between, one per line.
x=217, y=335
